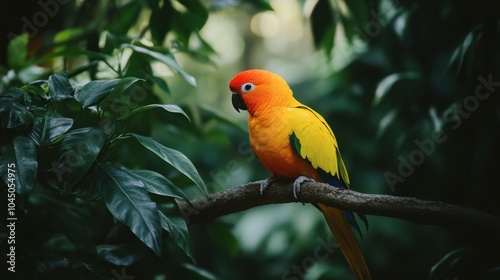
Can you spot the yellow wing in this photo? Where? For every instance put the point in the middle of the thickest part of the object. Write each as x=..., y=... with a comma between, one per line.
x=315, y=142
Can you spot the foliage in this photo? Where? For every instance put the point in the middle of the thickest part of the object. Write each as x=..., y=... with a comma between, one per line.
x=112, y=118
x=85, y=173
x=63, y=138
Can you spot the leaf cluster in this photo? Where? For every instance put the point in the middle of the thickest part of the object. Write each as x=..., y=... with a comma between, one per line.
x=62, y=138
x=77, y=120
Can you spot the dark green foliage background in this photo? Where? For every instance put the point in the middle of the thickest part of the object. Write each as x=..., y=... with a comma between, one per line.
x=416, y=113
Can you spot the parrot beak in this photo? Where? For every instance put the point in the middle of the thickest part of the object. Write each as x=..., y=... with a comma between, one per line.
x=238, y=102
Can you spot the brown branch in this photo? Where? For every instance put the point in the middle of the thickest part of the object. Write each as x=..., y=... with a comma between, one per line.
x=412, y=209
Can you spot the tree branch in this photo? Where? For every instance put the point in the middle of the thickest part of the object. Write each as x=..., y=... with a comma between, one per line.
x=411, y=209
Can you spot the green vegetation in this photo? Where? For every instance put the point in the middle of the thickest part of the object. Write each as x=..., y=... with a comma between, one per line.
x=112, y=110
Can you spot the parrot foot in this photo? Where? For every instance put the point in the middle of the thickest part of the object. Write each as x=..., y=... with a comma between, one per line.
x=265, y=183
x=298, y=182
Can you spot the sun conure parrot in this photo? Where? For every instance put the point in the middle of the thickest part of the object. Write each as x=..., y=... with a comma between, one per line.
x=293, y=141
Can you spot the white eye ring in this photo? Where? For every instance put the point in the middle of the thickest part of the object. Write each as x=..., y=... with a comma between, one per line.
x=247, y=87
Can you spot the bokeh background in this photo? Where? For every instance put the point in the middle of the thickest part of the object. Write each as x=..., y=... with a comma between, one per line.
x=410, y=89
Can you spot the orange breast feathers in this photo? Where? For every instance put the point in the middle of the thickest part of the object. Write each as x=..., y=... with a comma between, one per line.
x=271, y=107
x=270, y=140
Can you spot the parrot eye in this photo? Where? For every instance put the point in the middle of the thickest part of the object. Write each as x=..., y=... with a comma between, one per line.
x=247, y=87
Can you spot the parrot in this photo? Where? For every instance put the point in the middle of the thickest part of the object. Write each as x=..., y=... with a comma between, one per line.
x=294, y=142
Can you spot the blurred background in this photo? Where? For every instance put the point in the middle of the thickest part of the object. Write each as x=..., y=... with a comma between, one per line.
x=410, y=89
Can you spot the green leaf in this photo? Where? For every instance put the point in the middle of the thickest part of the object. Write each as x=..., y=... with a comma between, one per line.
x=199, y=273
x=176, y=226
x=205, y=48
x=69, y=34
x=465, y=260
x=60, y=87
x=85, y=188
x=167, y=59
x=17, y=51
x=464, y=54
x=323, y=25
x=386, y=84
x=13, y=111
x=261, y=5
x=126, y=17
x=174, y=158
x=121, y=255
x=13, y=114
x=35, y=91
x=385, y=122
x=20, y=158
x=49, y=263
x=12, y=94
x=130, y=204
x=95, y=91
x=49, y=127
x=167, y=107
x=159, y=82
x=358, y=11
x=158, y=184
x=123, y=96
x=160, y=21
x=353, y=17
x=25, y=150
x=196, y=15
x=79, y=150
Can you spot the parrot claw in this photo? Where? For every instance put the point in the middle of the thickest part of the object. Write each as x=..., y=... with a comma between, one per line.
x=298, y=182
x=265, y=183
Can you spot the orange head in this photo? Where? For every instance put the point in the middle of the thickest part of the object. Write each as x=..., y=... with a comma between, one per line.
x=255, y=90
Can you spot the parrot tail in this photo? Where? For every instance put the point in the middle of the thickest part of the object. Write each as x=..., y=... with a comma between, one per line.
x=338, y=224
